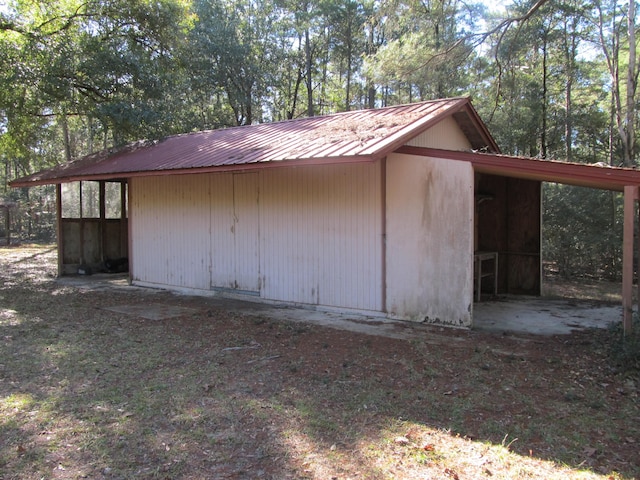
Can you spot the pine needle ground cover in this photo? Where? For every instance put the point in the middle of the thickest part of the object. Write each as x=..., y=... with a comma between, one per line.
x=88, y=391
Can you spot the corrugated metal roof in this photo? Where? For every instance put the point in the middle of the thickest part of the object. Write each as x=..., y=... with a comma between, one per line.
x=362, y=135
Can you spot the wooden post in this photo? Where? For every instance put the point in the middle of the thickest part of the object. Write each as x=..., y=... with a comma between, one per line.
x=124, y=225
x=630, y=196
x=636, y=264
x=8, y=224
x=126, y=209
x=59, y=229
x=103, y=219
x=81, y=223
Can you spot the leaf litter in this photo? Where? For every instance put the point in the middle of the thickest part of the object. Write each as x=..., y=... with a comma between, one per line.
x=87, y=392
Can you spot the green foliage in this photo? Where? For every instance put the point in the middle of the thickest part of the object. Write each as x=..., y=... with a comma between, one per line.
x=427, y=51
x=624, y=348
x=582, y=231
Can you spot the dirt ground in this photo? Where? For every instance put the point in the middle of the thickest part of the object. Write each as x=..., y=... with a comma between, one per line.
x=93, y=387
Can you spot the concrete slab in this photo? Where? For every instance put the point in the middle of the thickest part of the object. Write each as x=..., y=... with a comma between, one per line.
x=98, y=281
x=513, y=314
x=543, y=316
x=377, y=326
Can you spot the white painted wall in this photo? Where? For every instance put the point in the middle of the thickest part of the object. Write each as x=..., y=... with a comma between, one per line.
x=221, y=221
x=314, y=234
x=321, y=235
x=430, y=239
x=170, y=231
x=235, y=231
x=430, y=231
x=303, y=235
x=445, y=134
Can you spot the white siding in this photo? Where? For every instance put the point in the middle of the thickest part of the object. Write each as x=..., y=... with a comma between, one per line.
x=246, y=229
x=430, y=239
x=304, y=235
x=170, y=234
x=222, y=231
x=321, y=236
x=446, y=135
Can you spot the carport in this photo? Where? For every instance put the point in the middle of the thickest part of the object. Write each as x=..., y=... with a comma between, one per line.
x=625, y=180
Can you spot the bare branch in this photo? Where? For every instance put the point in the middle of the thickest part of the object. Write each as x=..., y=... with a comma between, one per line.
x=479, y=38
x=67, y=19
x=39, y=30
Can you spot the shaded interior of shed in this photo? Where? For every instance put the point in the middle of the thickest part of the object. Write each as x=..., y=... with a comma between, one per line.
x=92, y=227
x=508, y=222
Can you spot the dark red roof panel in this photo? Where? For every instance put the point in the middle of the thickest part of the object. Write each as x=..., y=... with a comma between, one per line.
x=362, y=135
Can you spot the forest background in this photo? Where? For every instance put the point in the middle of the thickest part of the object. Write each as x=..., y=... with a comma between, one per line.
x=552, y=79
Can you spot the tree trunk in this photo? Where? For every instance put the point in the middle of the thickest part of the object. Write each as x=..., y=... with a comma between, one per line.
x=347, y=93
x=630, y=121
x=65, y=137
x=371, y=89
x=570, y=51
x=307, y=51
x=543, y=133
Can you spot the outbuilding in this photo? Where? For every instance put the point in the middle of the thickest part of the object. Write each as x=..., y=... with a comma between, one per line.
x=407, y=211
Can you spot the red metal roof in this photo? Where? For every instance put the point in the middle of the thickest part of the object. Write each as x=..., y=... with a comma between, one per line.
x=363, y=135
x=580, y=174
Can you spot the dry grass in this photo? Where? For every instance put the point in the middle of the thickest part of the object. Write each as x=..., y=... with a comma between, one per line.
x=90, y=393
x=596, y=290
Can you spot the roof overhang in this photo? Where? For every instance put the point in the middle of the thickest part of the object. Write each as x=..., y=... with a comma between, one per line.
x=27, y=182
x=584, y=175
x=347, y=137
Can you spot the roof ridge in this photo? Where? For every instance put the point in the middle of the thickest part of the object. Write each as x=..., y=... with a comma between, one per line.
x=325, y=116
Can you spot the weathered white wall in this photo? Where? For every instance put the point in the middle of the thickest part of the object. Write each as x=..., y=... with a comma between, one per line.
x=235, y=230
x=430, y=211
x=321, y=235
x=314, y=234
x=169, y=218
x=221, y=221
x=304, y=235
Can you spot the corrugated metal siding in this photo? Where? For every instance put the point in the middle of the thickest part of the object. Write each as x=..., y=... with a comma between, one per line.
x=222, y=231
x=445, y=134
x=246, y=232
x=170, y=238
x=235, y=230
x=306, y=235
x=321, y=236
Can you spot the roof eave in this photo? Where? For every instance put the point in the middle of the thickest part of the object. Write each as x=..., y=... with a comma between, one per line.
x=593, y=176
x=483, y=131
x=120, y=176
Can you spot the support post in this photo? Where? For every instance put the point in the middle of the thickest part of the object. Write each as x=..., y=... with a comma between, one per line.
x=636, y=264
x=8, y=224
x=124, y=225
x=630, y=196
x=59, y=229
x=103, y=220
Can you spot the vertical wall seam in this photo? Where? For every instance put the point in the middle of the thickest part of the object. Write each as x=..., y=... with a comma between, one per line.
x=383, y=229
